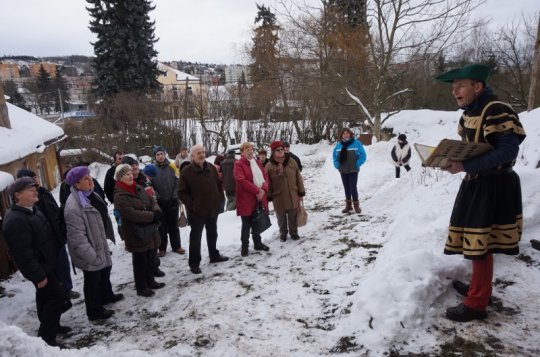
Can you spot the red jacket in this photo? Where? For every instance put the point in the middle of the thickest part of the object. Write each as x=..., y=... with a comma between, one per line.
x=246, y=191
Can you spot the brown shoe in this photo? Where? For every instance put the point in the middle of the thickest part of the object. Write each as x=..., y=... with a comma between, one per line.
x=357, y=208
x=161, y=253
x=348, y=206
x=180, y=251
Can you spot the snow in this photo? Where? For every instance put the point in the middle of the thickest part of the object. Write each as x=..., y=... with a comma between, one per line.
x=5, y=180
x=27, y=135
x=378, y=280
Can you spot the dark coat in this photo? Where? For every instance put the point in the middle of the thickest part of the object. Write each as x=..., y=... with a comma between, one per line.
x=48, y=206
x=201, y=190
x=109, y=183
x=227, y=176
x=246, y=191
x=295, y=158
x=136, y=208
x=32, y=242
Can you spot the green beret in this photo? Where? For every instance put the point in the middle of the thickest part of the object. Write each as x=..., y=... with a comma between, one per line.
x=471, y=71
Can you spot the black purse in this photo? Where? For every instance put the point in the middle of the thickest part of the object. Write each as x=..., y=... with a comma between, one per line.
x=260, y=220
x=142, y=231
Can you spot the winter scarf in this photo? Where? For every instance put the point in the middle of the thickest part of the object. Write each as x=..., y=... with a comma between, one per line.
x=128, y=188
x=343, y=152
x=83, y=197
x=258, y=178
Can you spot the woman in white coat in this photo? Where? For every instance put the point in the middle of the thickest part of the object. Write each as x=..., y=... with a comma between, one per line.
x=401, y=154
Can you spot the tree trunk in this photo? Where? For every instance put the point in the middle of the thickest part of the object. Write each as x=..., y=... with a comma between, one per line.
x=4, y=115
x=534, y=74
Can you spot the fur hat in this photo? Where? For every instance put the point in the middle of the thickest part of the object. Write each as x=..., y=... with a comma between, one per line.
x=276, y=144
x=76, y=174
x=157, y=149
x=121, y=171
x=402, y=137
x=150, y=170
x=20, y=184
x=25, y=173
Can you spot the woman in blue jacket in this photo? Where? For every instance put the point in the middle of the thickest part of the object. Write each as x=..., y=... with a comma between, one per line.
x=349, y=155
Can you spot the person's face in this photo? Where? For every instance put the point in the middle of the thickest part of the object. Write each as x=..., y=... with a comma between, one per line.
x=85, y=184
x=262, y=157
x=183, y=154
x=135, y=170
x=27, y=197
x=198, y=156
x=248, y=152
x=279, y=152
x=346, y=135
x=118, y=159
x=36, y=179
x=160, y=156
x=286, y=149
x=465, y=91
x=127, y=178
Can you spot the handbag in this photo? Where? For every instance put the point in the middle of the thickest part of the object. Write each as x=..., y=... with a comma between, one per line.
x=301, y=215
x=182, y=220
x=142, y=231
x=260, y=220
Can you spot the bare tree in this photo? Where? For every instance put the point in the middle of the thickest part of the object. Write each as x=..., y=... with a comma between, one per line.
x=535, y=68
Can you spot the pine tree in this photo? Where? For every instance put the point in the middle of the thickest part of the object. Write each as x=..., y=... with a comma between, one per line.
x=44, y=90
x=124, y=49
x=264, y=53
x=15, y=98
x=61, y=87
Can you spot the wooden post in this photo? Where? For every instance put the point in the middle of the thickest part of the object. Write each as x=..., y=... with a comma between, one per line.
x=4, y=115
x=534, y=74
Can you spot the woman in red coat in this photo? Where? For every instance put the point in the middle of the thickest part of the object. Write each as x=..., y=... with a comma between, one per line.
x=251, y=187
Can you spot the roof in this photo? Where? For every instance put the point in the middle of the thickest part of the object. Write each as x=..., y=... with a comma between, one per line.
x=5, y=180
x=28, y=134
x=180, y=76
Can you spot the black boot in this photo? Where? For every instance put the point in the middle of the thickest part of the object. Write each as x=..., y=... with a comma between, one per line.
x=462, y=313
x=244, y=251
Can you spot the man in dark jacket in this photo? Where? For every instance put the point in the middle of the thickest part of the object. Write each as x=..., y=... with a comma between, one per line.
x=487, y=217
x=34, y=246
x=165, y=183
x=227, y=176
x=287, y=148
x=48, y=206
x=109, y=176
x=200, y=189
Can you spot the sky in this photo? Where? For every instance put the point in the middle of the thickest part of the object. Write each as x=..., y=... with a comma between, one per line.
x=360, y=284
x=212, y=31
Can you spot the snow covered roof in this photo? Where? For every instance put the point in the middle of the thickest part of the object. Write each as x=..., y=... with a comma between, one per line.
x=5, y=180
x=180, y=76
x=28, y=134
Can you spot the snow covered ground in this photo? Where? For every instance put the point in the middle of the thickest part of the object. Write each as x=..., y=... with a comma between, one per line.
x=371, y=284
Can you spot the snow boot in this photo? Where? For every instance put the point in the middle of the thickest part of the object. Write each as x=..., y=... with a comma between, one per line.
x=357, y=208
x=244, y=251
x=348, y=206
x=462, y=313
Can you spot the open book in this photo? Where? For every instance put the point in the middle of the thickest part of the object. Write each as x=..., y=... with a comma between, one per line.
x=455, y=150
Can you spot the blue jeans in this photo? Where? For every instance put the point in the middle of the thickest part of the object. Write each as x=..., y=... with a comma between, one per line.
x=349, y=184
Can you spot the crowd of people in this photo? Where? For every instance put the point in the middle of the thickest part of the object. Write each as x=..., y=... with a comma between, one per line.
x=147, y=204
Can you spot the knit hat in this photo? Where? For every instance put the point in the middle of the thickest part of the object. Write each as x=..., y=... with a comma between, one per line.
x=157, y=149
x=76, y=174
x=25, y=173
x=121, y=171
x=276, y=144
x=129, y=160
x=20, y=184
x=230, y=153
x=402, y=137
x=472, y=71
x=150, y=170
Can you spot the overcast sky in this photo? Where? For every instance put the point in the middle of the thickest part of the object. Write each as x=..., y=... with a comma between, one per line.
x=213, y=31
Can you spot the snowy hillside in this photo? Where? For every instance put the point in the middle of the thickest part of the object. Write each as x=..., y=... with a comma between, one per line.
x=357, y=285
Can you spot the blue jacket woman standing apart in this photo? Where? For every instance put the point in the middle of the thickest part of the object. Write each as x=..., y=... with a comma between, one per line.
x=349, y=155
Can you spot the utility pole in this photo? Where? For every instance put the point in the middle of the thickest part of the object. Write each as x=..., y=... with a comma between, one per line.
x=534, y=74
x=61, y=106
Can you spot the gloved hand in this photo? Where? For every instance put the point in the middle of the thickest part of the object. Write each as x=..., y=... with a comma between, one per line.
x=158, y=215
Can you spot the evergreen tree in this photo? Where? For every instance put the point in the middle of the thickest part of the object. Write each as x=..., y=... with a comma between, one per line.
x=44, y=90
x=62, y=91
x=264, y=54
x=15, y=98
x=124, y=49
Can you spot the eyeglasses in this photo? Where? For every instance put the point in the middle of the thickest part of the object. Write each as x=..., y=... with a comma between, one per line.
x=279, y=150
